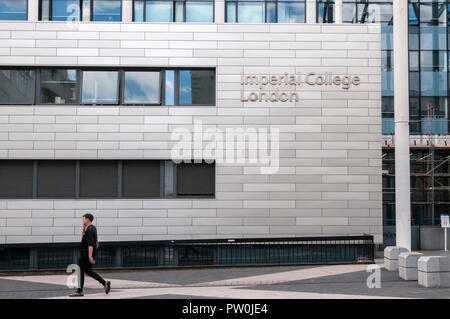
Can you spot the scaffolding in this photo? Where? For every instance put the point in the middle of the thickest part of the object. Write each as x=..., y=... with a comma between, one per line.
x=430, y=174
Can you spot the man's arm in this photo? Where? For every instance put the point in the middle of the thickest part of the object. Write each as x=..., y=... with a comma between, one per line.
x=91, y=250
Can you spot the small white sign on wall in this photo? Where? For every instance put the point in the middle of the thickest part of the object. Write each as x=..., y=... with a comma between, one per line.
x=445, y=221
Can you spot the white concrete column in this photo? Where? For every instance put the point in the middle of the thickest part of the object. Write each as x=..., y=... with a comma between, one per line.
x=311, y=11
x=338, y=11
x=401, y=116
x=33, y=10
x=127, y=10
x=219, y=11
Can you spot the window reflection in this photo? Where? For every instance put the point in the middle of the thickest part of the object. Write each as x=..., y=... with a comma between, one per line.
x=159, y=11
x=433, y=38
x=434, y=61
x=414, y=61
x=387, y=83
x=137, y=86
x=174, y=11
x=13, y=9
x=387, y=61
x=349, y=13
x=199, y=11
x=271, y=11
x=74, y=10
x=142, y=88
x=65, y=10
x=414, y=84
x=433, y=83
x=58, y=86
x=139, y=10
x=231, y=11
x=169, y=92
x=434, y=111
x=325, y=11
x=251, y=12
x=354, y=11
x=17, y=86
x=387, y=38
x=433, y=13
x=196, y=87
x=100, y=87
x=106, y=10
x=291, y=12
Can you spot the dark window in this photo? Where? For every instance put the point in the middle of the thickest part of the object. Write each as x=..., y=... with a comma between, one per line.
x=13, y=9
x=56, y=179
x=197, y=87
x=16, y=179
x=141, y=179
x=196, y=179
x=58, y=86
x=142, y=87
x=98, y=179
x=17, y=86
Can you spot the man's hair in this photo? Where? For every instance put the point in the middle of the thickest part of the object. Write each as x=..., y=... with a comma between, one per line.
x=89, y=216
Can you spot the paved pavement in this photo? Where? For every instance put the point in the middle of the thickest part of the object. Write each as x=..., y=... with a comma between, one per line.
x=284, y=282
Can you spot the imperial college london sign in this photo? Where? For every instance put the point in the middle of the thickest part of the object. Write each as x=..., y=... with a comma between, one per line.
x=283, y=88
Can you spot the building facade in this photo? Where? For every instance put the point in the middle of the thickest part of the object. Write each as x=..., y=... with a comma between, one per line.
x=91, y=99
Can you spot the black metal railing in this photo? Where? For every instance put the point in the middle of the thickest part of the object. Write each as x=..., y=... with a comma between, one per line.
x=192, y=253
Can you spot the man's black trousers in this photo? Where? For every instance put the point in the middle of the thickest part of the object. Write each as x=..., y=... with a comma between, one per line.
x=86, y=267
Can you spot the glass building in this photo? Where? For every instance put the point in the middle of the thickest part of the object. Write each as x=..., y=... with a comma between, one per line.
x=429, y=92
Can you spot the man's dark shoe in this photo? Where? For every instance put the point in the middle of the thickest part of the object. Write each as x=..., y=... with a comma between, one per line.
x=77, y=294
x=107, y=287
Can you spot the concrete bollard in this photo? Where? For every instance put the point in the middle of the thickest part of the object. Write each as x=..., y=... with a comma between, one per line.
x=434, y=271
x=407, y=265
x=391, y=254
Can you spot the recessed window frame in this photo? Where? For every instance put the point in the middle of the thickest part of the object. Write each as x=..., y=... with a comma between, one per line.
x=177, y=87
x=26, y=14
x=80, y=13
x=35, y=87
x=39, y=85
x=212, y=166
x=160, y=86
x=168, y=181
x=92, y=13
x=265, y=14
x=174, y=17
x=320, y=3
x=120, y=83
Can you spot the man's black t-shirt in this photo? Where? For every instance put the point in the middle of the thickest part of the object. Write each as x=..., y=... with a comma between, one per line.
x=89, y=239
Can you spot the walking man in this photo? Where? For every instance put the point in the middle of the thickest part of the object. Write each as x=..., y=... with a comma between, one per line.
x=89, y=242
